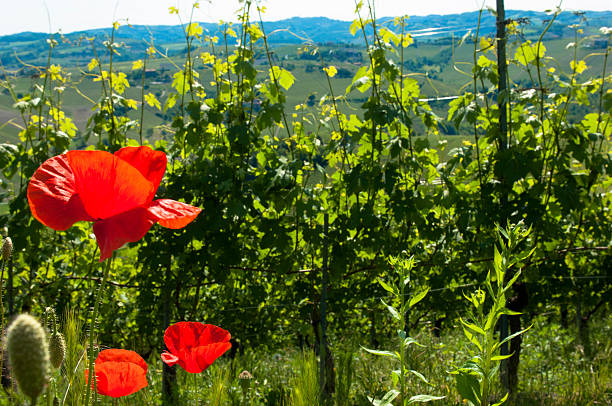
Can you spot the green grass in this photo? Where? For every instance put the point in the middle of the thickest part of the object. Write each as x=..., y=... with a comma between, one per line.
x=553, y=371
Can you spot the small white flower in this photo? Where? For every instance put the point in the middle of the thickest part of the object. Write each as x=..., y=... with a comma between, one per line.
x=606, y=30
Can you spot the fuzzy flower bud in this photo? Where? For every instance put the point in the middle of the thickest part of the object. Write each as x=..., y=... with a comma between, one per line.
x=7, y=248
x=57, y=349
x=28, y=354
x=245, y=380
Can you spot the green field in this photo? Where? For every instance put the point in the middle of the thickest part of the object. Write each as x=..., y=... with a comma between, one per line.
x=436, y=68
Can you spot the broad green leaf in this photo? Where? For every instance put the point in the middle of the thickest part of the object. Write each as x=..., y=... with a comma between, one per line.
x=416, y=299
x=410, y=340
x=526, y=52
x=152, y=101
x=362, y=84
x=131, y=103
x=510, y=337
x=389, y=36
x=231, y=33
x=484, y=62
x=382, y=353
x=92, y=64
x=387, y=287
x=497, y=264
x=500, y=357
x=170, y=101
x=194, y=30
x=179, y=82
x=470, y=336
x=283, y=76
x=502, y=400
x=424, y=398
x=255, y=32
x=392, y=310
x=360, y=81
x=407, y=40
x=473, y=327
x=419, y=375
x=468, y=387
x=355, y=25
x=511, y=282
x=386, y=400
x=137, y=64
x=579, y=67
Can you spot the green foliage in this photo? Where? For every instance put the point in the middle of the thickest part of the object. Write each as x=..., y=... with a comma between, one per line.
x=366, y=152
x=304, y=381
x=400, y=292
x=474, y=379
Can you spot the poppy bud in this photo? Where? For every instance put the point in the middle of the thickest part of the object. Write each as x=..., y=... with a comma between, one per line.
x=57, y=349
x=49, y=318
x=245, y=380
x=7, y=248
x=28, y=355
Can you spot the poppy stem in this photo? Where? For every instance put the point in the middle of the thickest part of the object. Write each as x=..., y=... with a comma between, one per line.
x=92, y=326
x=196, y=392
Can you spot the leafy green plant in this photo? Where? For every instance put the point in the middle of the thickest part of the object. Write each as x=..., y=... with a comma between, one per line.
x=400, y=291
x=475, y=378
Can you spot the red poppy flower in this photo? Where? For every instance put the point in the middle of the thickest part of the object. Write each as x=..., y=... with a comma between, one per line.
x=119, y=373
x=114, y=191
x=194, y=346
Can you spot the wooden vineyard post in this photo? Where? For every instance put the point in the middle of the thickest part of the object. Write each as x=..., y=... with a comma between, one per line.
x=324, y=389
x=502, y=101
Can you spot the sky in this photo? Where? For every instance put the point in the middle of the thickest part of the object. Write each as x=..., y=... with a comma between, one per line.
x=75, y=15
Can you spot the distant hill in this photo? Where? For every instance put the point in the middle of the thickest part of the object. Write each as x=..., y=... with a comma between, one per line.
x=74, y=48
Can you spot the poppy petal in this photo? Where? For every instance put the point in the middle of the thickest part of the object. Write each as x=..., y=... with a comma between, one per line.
x=204, y=356
x=173, y=214
x=53, y=195
x=182, y=335
x=115, y=231
x=108, y=185
x=195, y=346
x=213, y=334
x=149, y=162
x=120, y=355
x=169, y=359
x=117, y=379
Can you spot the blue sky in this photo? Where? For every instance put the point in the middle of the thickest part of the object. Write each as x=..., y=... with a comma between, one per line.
x=74, y=15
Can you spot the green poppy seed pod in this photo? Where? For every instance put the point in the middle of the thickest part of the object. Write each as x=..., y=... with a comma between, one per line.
x=28, y=354
x=7, y=248
x=57, y=349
